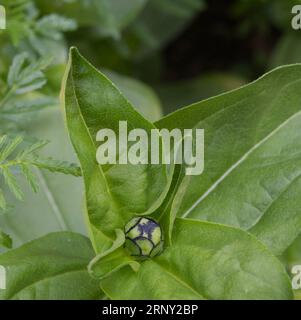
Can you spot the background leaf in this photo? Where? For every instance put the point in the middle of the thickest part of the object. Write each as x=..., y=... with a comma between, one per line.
x=183, y=93
x=160, y=22
x=52, y=267
x=58, y=204
x=5, y=240
x=111, y=16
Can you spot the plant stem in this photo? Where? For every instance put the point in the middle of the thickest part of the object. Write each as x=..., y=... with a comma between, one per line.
x=55, y=209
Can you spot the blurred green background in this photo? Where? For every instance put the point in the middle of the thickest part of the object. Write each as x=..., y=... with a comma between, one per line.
x=162, y=54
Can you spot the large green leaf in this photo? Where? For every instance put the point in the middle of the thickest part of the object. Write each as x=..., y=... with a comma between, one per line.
x=142, y=96
x=139, y=94
x=252, y=158
x=52, y=267
x=114, y=193
x=206, y=261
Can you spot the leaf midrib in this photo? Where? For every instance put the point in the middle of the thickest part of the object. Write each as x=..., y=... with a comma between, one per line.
x=98, y=166
x=237, y=164
x=294, y=180
x=182, y=282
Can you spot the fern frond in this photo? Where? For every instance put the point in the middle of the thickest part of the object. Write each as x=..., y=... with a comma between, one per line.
x=12, y=183
x=19, y=107
x=56, y=166
x=53, y=26
x=15, y=162
x=25, y=75
x=30, y=177
x=9, y=148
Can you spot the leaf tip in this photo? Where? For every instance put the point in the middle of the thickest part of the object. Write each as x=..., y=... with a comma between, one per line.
x=73, y=53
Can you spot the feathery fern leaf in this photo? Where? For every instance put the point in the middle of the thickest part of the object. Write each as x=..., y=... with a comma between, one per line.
x=14, y=163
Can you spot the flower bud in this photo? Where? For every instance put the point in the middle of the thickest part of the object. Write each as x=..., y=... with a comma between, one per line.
x=143, y=237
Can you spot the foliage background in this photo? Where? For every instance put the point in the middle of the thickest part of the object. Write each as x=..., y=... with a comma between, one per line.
x=163, y=54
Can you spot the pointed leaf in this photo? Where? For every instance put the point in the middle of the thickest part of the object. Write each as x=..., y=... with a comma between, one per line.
x=114, y=193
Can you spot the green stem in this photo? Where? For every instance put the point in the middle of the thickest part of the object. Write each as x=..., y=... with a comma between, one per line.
x=12, y=163
x=51, y=200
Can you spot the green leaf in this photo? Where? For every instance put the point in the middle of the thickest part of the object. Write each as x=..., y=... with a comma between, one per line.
x=6, y=149
x=5, y=240
x=56, y=166
x=12, y=183
x=25, y=75
x=142, y=97
x=11, y=165
x=30, y=177
x=16, y=68
x=252, y=158
x=114, y=193
x=206, y=261
x=53, y=26
x=160, y=22
x=104, y=264
x=52, y=267
x=20, y=106
x=110, y=16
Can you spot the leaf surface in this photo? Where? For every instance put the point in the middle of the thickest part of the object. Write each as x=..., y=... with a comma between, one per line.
x=115, y=192
x=206, y=261
x=51, y=267
x=252, y=158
